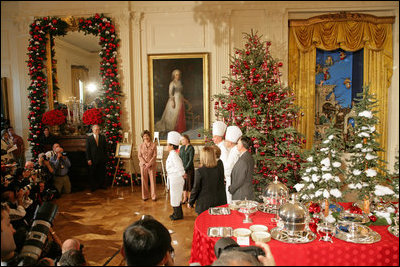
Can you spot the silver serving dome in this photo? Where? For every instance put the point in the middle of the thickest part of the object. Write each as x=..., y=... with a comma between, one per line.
x=293, y=215
x=275, y=194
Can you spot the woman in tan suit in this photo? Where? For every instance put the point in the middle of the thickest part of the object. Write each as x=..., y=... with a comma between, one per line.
x=147, y=162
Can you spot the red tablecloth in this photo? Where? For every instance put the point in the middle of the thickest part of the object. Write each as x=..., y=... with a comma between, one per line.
x=384, y=252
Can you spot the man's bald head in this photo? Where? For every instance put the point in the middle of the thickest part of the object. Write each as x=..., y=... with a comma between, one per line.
x=29, y=165
x=70, y=244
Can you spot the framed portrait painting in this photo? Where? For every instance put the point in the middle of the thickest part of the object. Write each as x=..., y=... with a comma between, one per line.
x=179, y=95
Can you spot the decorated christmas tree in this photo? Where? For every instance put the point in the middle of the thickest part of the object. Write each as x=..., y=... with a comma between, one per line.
x=257, y=102
x=395, y=177
x=366, y=172
x=320, y=174
x=103, y=27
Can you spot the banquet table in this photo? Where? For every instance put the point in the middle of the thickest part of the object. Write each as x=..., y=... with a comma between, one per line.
x=384, y=252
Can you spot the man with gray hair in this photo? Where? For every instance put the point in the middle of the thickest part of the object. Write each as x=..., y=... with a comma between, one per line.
x=61, y=165
x=96, y=156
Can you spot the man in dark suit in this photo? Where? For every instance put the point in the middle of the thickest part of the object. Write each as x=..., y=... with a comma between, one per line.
x=242, y=173
x=96, y=156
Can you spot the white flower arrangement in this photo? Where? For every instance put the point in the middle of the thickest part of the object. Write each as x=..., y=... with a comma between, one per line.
x=327, y=176
x=336, y=164
x=366, y=114
x=363, y=134
x=326, y=162
x=306, y=178
x=311, y=186
x=381, y=190
x=315, y=178
x=298, y=187
x=336, y=193
x=326, y=169
x=314, y=169
x=308, y=169
x=355, y=186
x=365, y=150
x=370, y=173
x=318, y=193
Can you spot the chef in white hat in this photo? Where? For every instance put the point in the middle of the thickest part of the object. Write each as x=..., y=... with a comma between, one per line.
x=233, y=133
x=175, y=172
x=218, y=132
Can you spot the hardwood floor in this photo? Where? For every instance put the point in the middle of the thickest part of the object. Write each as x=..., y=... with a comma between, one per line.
x=98, y=220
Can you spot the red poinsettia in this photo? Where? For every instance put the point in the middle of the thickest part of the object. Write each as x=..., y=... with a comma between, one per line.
x=53, y=117
x=92, y=116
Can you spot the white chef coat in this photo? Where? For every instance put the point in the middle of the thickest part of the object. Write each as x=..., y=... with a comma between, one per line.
x=224, y=152
x=175, y=180
x=232, y=158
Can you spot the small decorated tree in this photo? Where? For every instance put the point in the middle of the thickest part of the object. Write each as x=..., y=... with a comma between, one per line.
x=256, y=101
x=366, y=172
x=320, y=174
x=395, y=177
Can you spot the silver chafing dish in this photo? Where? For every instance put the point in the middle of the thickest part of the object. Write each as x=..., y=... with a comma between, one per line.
x=292, y=223
x=293, y=216
x=275, y=195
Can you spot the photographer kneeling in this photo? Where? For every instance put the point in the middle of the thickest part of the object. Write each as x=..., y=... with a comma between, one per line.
x=61, y=165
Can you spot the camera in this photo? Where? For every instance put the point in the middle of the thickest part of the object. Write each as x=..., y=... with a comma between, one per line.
x=37, y=237
x=27, y=187
x=228, y=244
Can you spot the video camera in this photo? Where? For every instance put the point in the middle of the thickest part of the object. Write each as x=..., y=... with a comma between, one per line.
x=228, y=244
x=37, y=237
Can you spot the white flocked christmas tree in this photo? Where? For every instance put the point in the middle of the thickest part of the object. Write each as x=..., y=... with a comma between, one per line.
x=366, y=173
x=320, y=174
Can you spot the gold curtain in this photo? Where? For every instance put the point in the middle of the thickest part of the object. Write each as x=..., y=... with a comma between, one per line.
x=78, y=73
x=350, y=32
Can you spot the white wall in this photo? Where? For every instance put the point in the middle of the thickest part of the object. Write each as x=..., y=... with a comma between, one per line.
x=158, y=27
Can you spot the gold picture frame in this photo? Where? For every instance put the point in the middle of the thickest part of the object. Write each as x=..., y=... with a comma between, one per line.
x=179, y=95
x=123, y=151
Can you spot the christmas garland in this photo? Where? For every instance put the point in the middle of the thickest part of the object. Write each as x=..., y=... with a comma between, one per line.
x=37, y=89
x=98, y=25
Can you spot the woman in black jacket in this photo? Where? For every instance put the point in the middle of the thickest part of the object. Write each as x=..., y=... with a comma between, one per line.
x=209, y=189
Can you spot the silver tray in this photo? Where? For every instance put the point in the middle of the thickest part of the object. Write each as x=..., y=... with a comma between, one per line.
x=219, y=211
x=301, y=237
x=363, y=234
x=220, y=231
x=392, y=229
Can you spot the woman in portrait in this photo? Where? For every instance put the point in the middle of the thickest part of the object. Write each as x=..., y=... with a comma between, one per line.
x=173, y=118
x=186, y=153
x=208, y=189
x=147, y=161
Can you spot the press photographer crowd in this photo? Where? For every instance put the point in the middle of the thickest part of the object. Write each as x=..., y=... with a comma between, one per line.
x=27, y=211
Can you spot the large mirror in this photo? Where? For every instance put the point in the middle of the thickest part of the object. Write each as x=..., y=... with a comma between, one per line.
x=78, y=62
